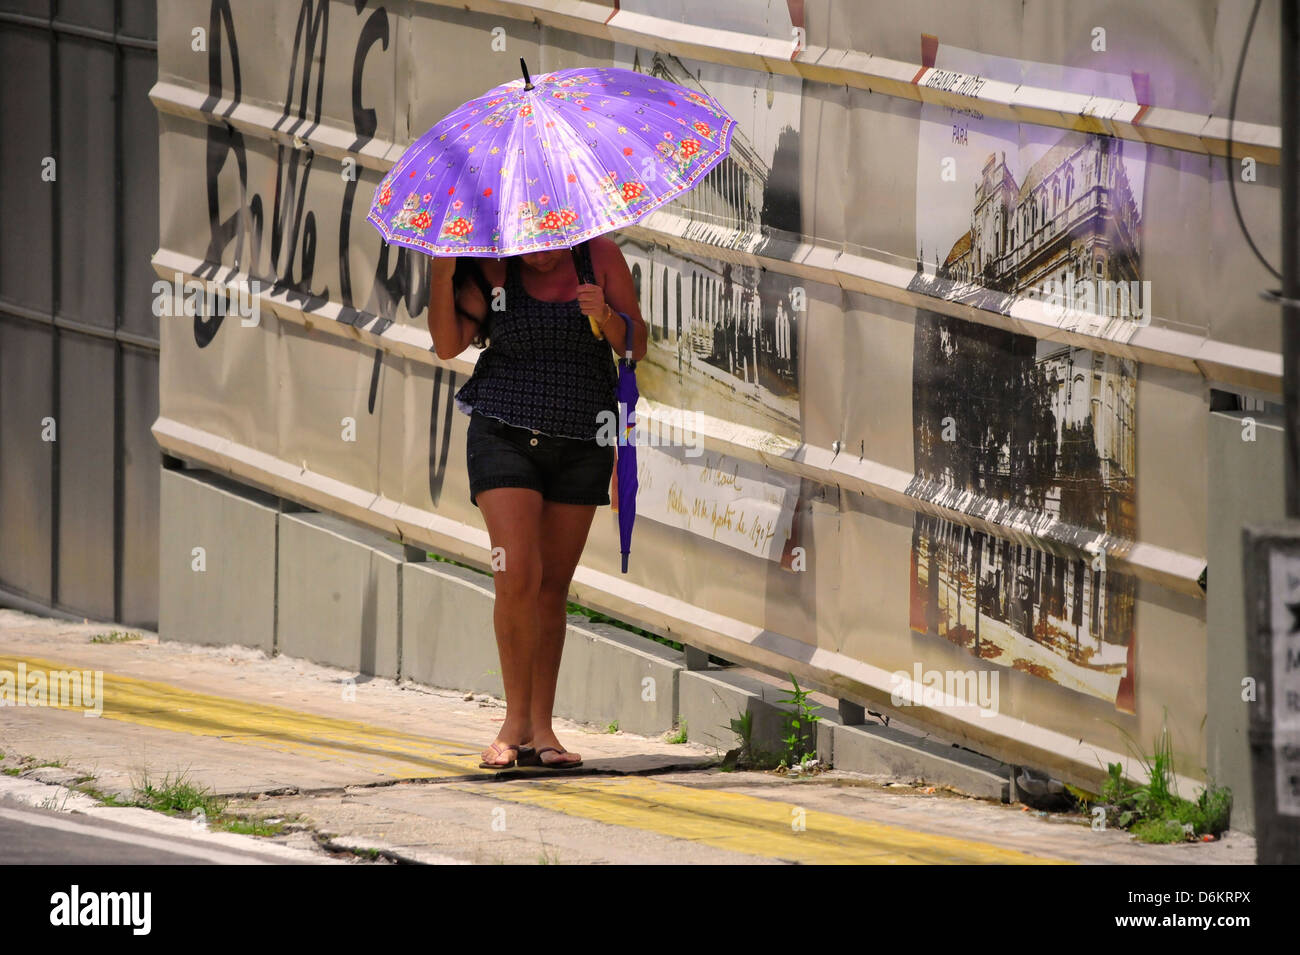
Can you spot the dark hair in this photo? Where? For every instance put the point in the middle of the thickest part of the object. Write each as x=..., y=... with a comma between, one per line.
x=468, y=270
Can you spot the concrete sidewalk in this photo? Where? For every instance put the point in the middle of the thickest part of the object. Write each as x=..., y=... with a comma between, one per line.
x=369, y=764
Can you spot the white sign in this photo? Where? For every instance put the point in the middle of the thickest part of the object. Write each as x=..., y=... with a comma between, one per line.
x=737, y=503
x=1284, y=589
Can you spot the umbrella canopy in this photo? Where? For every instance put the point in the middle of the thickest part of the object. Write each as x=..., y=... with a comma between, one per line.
x=528, y=167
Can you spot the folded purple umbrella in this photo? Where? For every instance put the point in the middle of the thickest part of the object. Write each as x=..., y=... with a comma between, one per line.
x=626, y=479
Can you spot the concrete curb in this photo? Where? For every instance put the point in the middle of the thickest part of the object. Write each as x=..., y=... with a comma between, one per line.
x=337, y=594
x=885, y=750
x=236, y=527
x=609, y=675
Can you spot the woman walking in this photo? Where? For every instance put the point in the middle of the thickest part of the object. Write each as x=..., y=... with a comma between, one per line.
x=537, y=401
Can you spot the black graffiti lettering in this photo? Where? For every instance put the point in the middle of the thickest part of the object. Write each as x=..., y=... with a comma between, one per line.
x=309, y=46
x=307, y=31
x=403, y=279
x=440, y=443
x=222, y=140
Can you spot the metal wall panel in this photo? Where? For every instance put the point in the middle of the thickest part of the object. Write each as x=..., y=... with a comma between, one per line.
x=26, y=202
x=26, y=460
x=139, y=19
x=87, y=195
x=86, y=546
x=78, y=338
x=137, y=561
x=138, y=207
x=35, y=8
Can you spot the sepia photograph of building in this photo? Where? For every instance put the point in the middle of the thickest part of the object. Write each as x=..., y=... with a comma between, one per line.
x=724, y=335
x=1033, y=434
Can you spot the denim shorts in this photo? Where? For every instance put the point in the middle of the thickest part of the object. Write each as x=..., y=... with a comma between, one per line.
x=564, y=470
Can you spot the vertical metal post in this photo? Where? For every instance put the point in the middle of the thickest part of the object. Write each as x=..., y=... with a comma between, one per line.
x=1291, y=247
x=1272, y=559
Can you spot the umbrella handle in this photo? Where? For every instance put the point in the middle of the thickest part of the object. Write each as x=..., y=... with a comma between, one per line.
x=627, y=340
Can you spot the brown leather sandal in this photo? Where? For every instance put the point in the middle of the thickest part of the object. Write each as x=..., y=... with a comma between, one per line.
x=535, y=759
x=497, y=749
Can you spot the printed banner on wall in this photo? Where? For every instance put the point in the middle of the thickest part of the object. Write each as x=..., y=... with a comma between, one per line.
x=737, y=503
x=1031, y=434
x=724, y=336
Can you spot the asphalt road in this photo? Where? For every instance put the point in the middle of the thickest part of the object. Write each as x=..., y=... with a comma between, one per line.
x=44, y=837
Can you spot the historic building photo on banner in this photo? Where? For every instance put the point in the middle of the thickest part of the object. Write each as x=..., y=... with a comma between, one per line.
x=1018, y=431
x=724, y=335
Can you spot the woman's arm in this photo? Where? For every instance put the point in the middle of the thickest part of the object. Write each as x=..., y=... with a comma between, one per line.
x=453, y=316
x=617, y=290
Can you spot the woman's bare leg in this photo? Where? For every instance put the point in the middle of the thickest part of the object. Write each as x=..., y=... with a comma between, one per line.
x=513, y=518
x=564, y=529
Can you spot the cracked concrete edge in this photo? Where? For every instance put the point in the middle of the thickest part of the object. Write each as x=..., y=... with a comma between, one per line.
x=406, y=855
x=42, y=795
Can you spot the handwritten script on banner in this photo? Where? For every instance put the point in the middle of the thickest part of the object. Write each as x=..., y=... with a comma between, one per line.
x=737, y=503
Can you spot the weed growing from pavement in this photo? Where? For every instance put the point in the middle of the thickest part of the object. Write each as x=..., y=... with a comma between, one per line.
x=178, y=796
x=28, y=763
x=801, y=730
x=747, y=755
x=254, y=827
x=181, y=797
x=105, y=799
x=114, y=636
x=1154, y=812
x=678, y=733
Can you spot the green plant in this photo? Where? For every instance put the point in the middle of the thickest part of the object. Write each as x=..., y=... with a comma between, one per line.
x=612, y=727
x=801, y=731
x=114, y=636
x=743, y=727
x=746, y=755
x=108, y=799
x=178, y=795
x=252, y=827
x=678, y=733
x=1154, y=812
x=1159, y=831
x=1214, y=803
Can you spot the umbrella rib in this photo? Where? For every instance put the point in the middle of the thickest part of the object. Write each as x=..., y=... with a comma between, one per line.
x=539, y=125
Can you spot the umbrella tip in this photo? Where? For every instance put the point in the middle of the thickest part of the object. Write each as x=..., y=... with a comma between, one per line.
x=625, y=562
x=528, y=80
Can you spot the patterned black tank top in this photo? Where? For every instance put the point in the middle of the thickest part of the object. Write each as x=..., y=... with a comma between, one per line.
x=543, y=369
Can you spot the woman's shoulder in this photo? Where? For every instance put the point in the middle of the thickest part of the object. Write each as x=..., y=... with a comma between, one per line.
x=603, y=248
x=605, y=255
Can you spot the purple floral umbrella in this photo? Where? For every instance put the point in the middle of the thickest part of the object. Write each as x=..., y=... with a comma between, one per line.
x=527, y=167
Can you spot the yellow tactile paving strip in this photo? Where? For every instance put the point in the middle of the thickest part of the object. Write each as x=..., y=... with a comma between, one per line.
x=743, y=823
x=374, y=749
x=724, y=820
